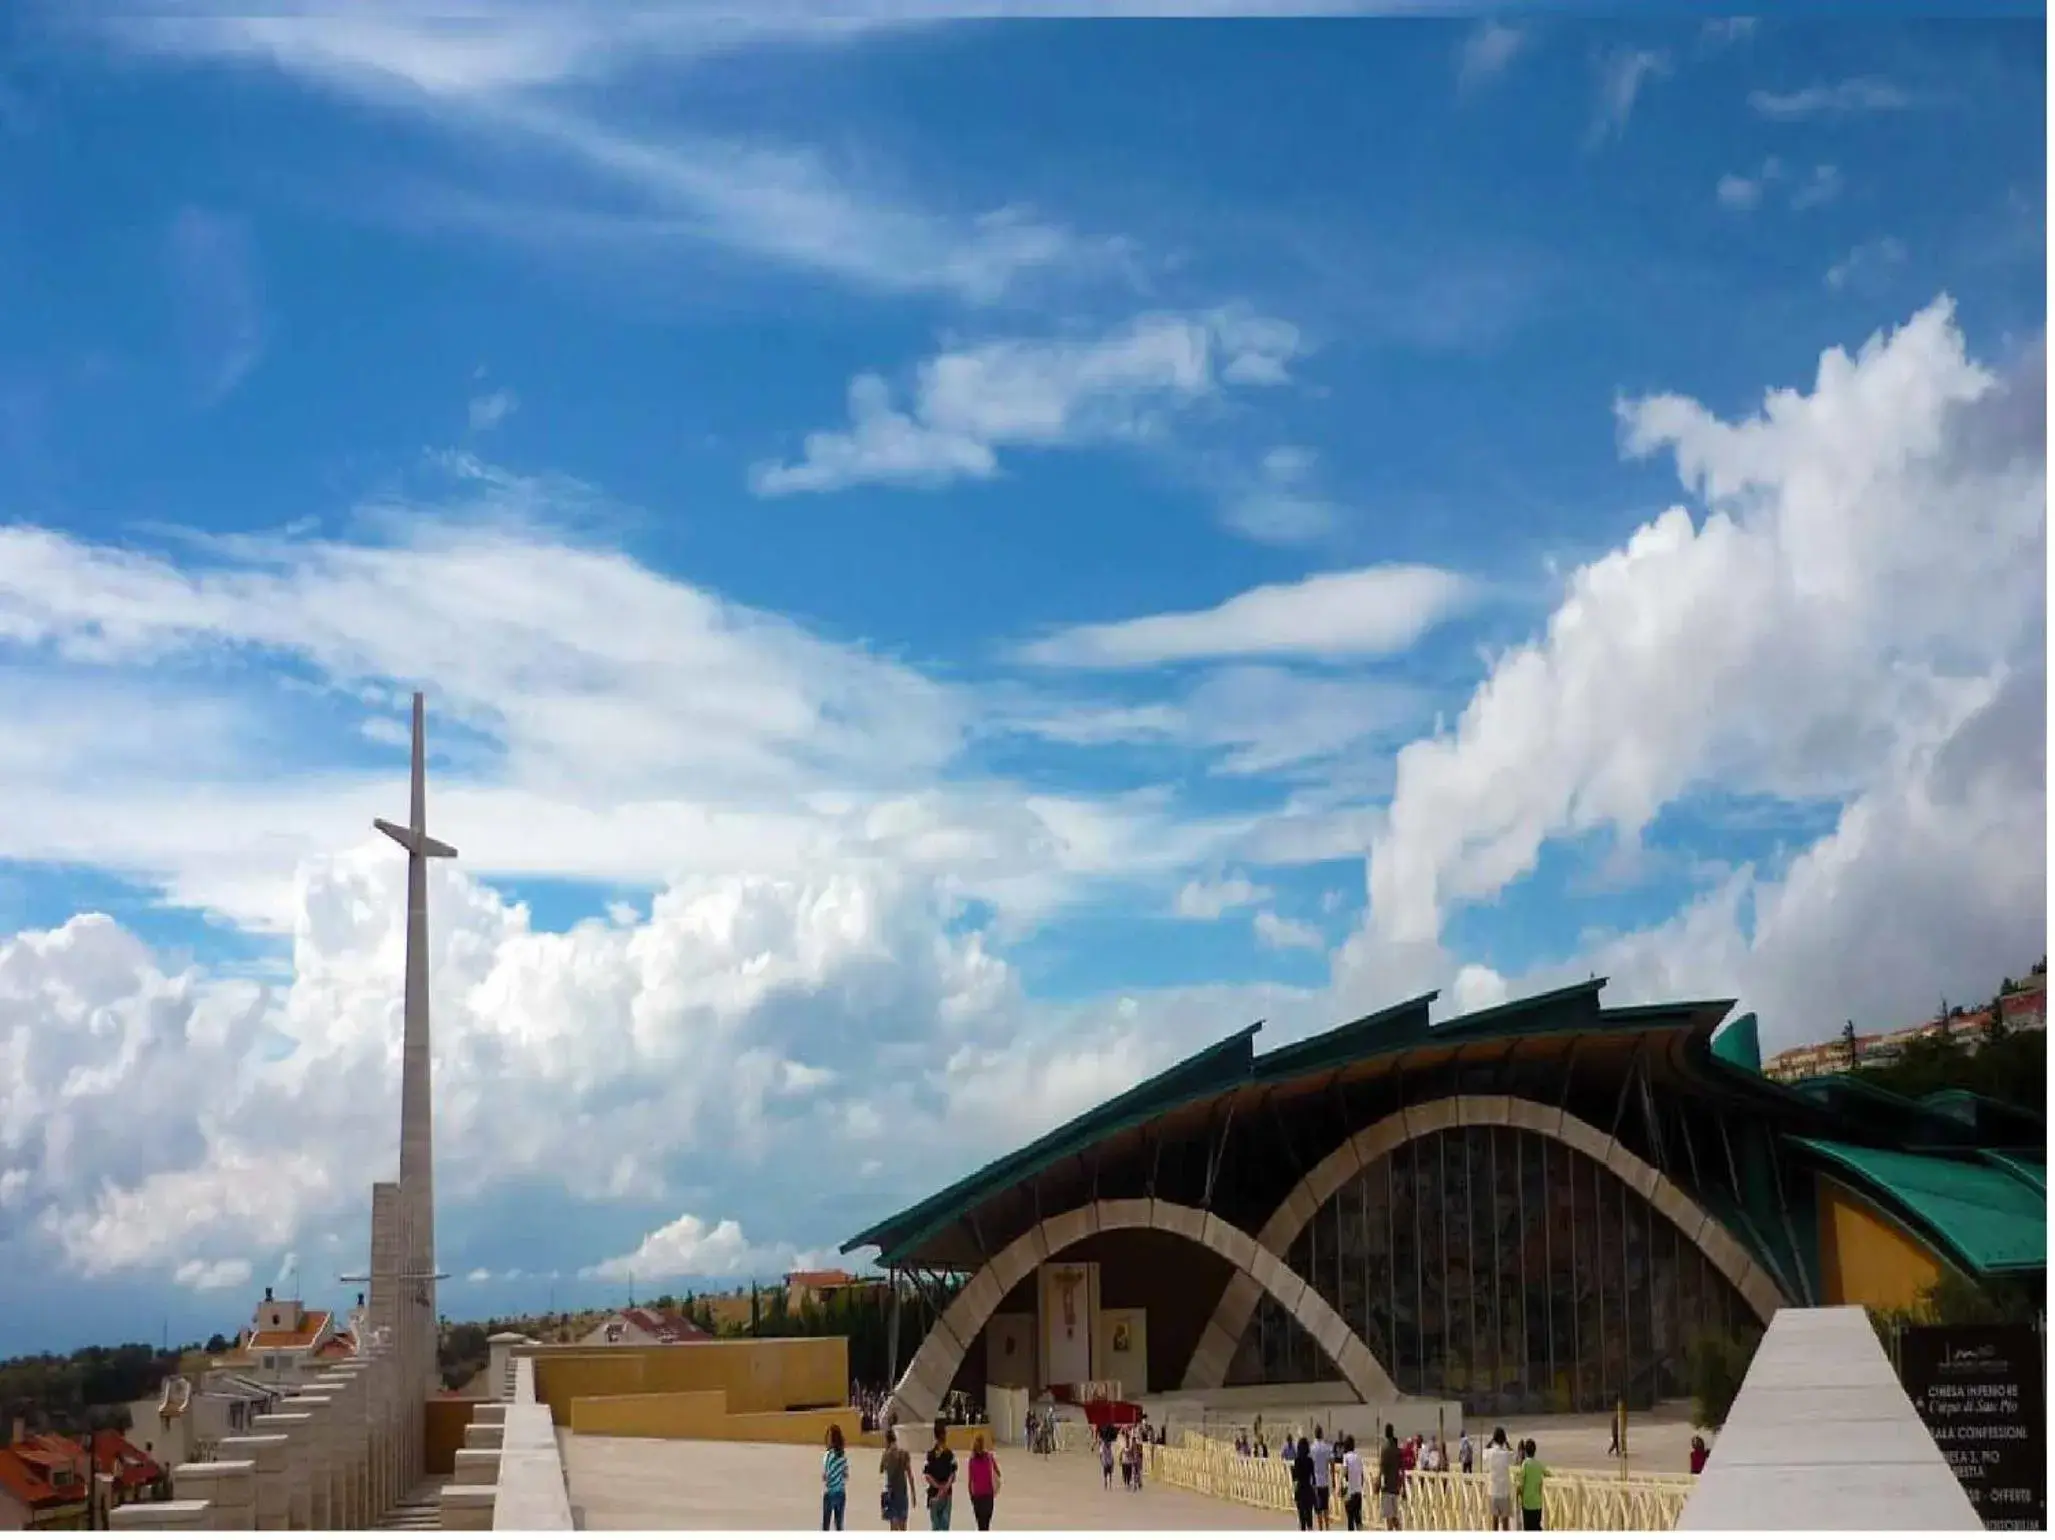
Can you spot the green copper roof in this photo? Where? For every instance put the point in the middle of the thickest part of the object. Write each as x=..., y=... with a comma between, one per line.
x=1985, y=1216
x=1233, y=1064
x=1737, y=1044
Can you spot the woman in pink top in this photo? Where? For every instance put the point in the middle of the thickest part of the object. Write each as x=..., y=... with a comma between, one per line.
x=984, y=1482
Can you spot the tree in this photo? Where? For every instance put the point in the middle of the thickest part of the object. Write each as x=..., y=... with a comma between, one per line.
x=1716, y=1365
x=1848, y=1042
x=217, y=1344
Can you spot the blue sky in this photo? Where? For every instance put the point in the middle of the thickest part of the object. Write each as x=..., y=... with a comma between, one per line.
x=954, y=564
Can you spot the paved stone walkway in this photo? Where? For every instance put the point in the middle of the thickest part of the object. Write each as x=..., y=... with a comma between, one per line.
x=635, y=1483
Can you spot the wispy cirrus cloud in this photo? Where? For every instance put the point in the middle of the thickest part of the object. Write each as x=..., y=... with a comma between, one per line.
x=216, y=291
x=517, y=86
x=970, y=403
x=1366, y=613
x=1841, y=98
x=1623, y=73
x=1487, y=52
x=1821, y=185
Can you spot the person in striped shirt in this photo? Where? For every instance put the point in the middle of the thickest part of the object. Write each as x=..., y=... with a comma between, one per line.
x=834, y=1480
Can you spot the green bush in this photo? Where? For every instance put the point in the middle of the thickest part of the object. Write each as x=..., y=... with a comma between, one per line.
x=1716, y=1367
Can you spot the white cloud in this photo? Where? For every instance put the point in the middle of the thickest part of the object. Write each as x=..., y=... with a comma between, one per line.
x=1843, y=98
x=1370, y=612
x=1281, y=934
x=1203, y=900
x=1820, y=186
x=478, y=1275
x=1725, y=31
x=507, y=80
x=1868, y=265
x=213, y=270
x=1823, y=186
x=688, y=1247
x=1740, y=192
x=970, y=403
x=1868, y=578
x=1623, y=73
x=491, y=409
x=1281, y=506
x=1486, y=51
x=203, y=1277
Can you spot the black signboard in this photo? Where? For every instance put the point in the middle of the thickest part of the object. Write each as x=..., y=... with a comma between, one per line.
x=1981, y=1392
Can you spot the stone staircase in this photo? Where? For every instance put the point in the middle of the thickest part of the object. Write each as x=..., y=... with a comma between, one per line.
x=419, y=1509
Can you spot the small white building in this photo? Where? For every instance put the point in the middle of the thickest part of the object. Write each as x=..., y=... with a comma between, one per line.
x=187, y=1421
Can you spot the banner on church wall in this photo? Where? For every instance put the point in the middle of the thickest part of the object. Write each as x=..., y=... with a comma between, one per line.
x=1010, y=1350
x=1067, y=1295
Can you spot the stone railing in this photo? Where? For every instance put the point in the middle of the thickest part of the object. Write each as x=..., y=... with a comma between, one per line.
x=1431, y=1500
x=337, y=1454
x=509, y=1474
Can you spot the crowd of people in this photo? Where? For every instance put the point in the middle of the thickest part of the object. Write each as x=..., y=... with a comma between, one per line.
x=1514, y=1476
x=938, y=1478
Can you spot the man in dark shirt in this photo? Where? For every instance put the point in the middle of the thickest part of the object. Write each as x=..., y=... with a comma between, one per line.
x=940, y=1472
x=1391, y=1477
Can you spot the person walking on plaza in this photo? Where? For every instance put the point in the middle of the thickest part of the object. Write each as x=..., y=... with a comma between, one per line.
x=984, y=1481
x=1391, y=1477
x=1352, y=1481
x=1466, y=1455
x=834, y=1480
x=1532, y=1474
x=895, y=1502
x=940, y=1475
x=1698, y=1454
x=1614, y=1447
x=1323, y=1476
x=1498, y=1479
x=1106, y=1457
x=1302, y=1482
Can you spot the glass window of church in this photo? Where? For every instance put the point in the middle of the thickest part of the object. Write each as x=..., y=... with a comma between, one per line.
x=1500, y=1268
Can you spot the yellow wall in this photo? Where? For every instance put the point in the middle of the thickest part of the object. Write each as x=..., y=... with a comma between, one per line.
x=703, y=1414
x=1867, y=1258
x=767, y=1374
x=443, y=1421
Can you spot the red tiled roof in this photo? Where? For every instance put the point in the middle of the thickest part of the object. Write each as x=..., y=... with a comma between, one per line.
x=833, y=1278
x=663, y=1325
x=115, y=1456
x=30, y=1469
x=312, y=1324
x=23, y=1482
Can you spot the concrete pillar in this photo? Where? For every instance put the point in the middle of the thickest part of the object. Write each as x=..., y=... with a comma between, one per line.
x=186, y=1513
x=350, y=1437
x=467, y=1507
x=228, y=1487
x=498, y=1370
x=476, y=1467
x=484, y=1435
x=270, y=1454
x=321, y=1461
x=301, y=1456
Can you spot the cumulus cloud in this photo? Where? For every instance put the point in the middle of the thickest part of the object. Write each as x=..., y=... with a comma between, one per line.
x=1203, y=900
x=1281, y=934
x=205, y=1277
x=1369, y=612
x=1865, y=581
x=688, y=1247
x=970, y=403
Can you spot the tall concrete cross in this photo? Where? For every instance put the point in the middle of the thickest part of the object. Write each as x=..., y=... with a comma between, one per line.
x=417, y=1110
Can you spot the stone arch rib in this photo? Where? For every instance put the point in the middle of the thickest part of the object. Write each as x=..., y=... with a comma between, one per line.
x=918, y=1395
x=1208, y=1367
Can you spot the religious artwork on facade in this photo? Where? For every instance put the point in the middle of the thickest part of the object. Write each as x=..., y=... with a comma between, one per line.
x=1069, y=1295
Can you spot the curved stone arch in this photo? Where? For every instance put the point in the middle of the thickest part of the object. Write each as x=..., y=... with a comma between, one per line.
x=1223, y=1334
x=918, y=1395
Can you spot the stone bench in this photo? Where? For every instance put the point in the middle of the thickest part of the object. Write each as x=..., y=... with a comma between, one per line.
x=184, y=1513
x=491, y=1413
x=477, y=1467
x=485, y=1435
x=467, y=1506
